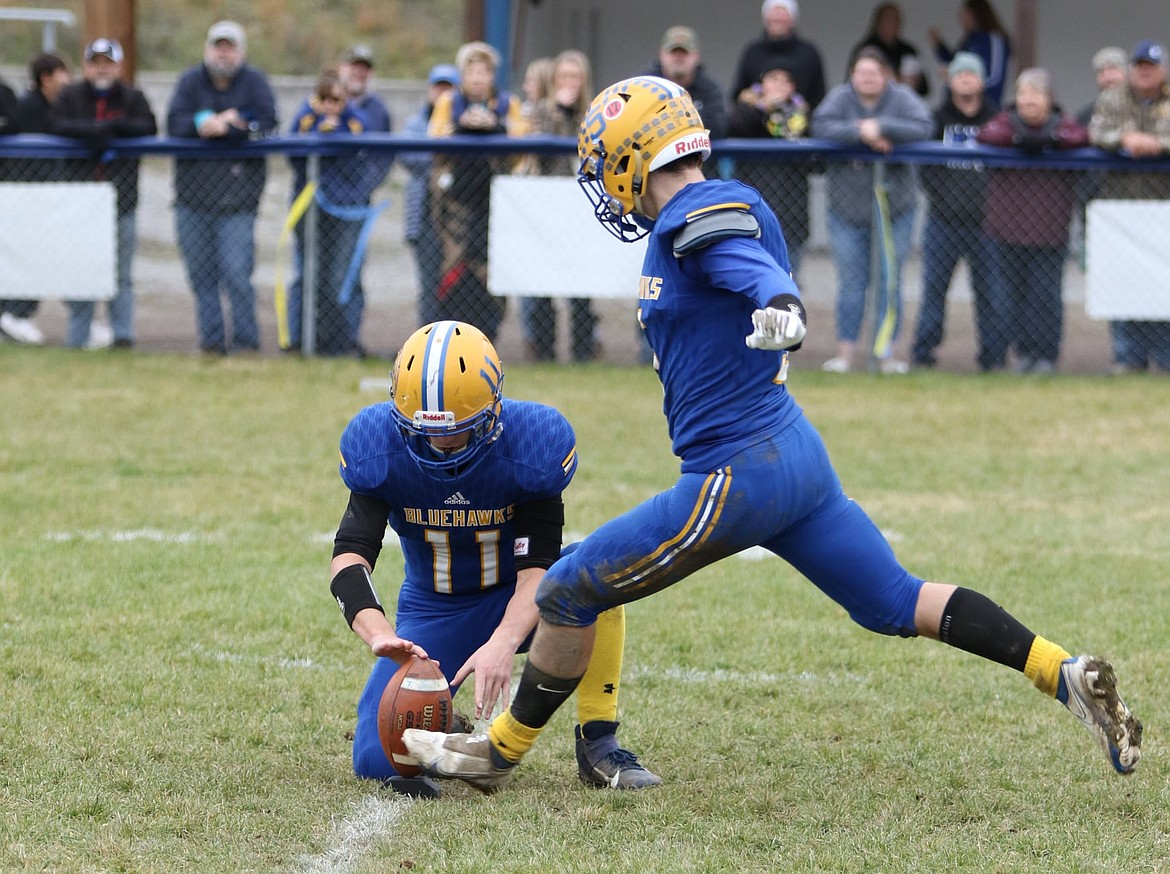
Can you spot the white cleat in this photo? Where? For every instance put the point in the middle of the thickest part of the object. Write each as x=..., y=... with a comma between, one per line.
x=1088, y=688
x=466, y=757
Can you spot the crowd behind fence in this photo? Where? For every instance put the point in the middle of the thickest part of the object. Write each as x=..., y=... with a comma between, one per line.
x=1033, y=267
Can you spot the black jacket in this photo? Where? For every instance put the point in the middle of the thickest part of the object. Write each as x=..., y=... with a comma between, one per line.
x=957, y=191
x=8, y=111
x=226, y=184
x=125, y=113
x=799, y=57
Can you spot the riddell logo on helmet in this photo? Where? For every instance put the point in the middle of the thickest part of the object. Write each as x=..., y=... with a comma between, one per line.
x=434, y=418
x=694, y=143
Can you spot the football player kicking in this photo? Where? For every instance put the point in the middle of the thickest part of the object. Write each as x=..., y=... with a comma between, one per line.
x=471, y=483
x=754, y=471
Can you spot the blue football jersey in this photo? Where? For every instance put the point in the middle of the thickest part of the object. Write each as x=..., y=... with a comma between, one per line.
x=696, y=311
x=457, y=532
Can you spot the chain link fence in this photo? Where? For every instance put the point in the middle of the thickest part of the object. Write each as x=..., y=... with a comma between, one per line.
x=995, y=260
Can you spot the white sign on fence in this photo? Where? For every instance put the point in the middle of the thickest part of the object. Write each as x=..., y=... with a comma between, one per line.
x=1128, y=260
x=543, y=241
x=57, y=240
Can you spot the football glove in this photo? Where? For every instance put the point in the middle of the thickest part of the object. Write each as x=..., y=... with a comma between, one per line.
x=776, y=328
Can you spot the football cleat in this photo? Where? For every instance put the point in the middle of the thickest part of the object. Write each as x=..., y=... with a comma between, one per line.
x=1088, y=688
x=466, y=757
x=601, y=762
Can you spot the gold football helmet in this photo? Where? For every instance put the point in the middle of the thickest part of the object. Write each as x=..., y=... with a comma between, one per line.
x=447, y=381
x=632, y=127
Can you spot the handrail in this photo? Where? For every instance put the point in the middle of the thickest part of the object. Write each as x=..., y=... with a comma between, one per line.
x=303, y=145
x=50, y=18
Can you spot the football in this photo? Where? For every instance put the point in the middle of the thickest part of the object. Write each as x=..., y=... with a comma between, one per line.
x=417, y=696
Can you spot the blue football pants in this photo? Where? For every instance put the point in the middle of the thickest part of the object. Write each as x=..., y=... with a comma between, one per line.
x=782, y=494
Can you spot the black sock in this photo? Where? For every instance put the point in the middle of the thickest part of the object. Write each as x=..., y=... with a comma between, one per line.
x=540, y=695
x=974, y=623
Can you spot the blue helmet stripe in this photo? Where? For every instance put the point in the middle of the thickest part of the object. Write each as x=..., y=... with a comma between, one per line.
x=438, y=343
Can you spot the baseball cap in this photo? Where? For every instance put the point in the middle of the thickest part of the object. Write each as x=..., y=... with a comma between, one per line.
x=679, y=37
x=966, y=62
x=1149, y=52
x=103, y=47
x=226, y=30
x=359, y=54
x=443, y=73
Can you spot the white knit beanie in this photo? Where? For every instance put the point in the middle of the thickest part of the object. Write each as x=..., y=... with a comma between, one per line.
x=791, y=5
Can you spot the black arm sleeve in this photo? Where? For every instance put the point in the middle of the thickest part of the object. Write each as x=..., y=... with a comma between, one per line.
x=793, y=303
x=539, y=525
x=362, y=527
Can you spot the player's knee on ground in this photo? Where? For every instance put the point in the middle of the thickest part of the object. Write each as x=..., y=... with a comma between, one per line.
x=369, y=759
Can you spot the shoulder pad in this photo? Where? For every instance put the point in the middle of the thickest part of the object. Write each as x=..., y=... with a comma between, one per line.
x=711, y=227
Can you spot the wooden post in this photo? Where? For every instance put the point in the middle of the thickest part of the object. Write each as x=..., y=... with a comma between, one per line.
x=473, y=15
x=1024, y=39
x=114, y=19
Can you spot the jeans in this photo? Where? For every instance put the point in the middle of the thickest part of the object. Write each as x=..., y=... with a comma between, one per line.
x=1135, y=344
x=121, y=305
x=1032, y=280
x=428, y=261
x=851, y=255
x=335, y=325
x=942, y=246
x=538, y=318
x=219, y=253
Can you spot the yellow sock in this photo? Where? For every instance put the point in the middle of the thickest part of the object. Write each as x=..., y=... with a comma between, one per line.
x=598, y=693
x=1043, y=667
x=511, y=739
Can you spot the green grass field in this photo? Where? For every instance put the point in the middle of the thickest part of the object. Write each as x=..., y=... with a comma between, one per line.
x=177, y=685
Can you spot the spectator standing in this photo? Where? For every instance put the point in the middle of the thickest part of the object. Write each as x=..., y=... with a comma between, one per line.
x=885, y=35
x=15, y=321
x=1135, y=121
x=8, y=110
x=560, y=114
x=680, y=62
x=983, y=35
x=418, y=229
x=357, y=73
x=1109, y=71
x=462, y=186
x=781, y=44
x=225, y=102
x=775, y=110
x=340, y=188
x=48, y=75
x=95, y=110
x=535, y=87
x=873, y=111
x=1027, y=217
x=954, y=223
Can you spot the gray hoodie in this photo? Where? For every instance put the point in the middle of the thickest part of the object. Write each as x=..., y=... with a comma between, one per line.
x=904, y=118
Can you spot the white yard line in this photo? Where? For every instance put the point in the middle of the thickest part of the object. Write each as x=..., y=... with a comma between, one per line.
x=150, y=534
x=373, y=817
